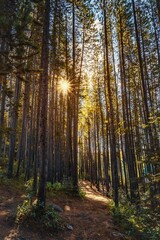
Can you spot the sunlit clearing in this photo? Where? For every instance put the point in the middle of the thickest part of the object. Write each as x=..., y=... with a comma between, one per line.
x=64, y=86
x=93, y=194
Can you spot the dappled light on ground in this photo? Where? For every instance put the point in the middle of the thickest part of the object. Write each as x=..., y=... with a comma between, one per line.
x=67, y=208
x=93, y=194
x=85, y=219
x=3, y=213
x=90, y=217
x=12, y=234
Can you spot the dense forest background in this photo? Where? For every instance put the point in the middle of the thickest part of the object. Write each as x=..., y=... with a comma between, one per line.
x=80, y=96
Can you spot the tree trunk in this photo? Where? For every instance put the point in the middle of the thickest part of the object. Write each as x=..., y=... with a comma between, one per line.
x=111, y=115
x=44, y=106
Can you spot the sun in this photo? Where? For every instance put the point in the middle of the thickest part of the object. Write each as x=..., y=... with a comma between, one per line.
x=64, y=86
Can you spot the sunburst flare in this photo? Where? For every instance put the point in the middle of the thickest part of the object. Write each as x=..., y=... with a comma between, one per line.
x=64, y=86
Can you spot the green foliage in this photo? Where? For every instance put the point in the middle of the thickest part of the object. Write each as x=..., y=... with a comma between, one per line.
x=29, y=185
x=138, y=221
x=55, y=186
x=29, y=190
x=51, y=219
x=65, y=187
x=45, y=218
x=81, y=193
x=23, y=211
x=32, y=213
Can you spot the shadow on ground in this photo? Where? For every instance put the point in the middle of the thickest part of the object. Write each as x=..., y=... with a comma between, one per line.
x=89, y=218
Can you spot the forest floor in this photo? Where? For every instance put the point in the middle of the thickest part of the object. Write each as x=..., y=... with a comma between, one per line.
x=89, y=218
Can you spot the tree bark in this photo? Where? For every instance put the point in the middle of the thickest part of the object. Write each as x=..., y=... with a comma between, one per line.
x=44, y=106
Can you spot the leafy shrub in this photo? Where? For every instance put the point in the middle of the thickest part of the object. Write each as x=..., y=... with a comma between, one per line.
x=66, y=187
x=141, y=222
x=29, y=190
x=55, y=186
x=29, y=185
x=45, y=218
x=49, y=186
x=51, y=219
x=23, y=211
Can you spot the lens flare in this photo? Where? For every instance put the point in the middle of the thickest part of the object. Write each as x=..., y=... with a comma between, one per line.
x=64, y=86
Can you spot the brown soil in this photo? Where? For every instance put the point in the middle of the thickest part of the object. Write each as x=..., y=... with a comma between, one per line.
x=90, y=217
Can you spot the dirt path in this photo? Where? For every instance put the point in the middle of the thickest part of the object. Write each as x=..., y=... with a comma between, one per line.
x=89, y=219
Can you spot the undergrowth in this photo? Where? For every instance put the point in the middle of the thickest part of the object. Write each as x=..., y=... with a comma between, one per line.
x=65, y=187
x=140, y=222
x=12, y=183
x=34, y=215
x=30, y=213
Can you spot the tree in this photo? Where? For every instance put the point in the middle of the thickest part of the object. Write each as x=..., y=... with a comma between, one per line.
x=111, y=113
x=44, y=106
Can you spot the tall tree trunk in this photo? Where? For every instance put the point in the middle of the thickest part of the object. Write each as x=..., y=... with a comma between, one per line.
x=22, y=143
x=75, y=113
x=14, y=122
x=44, y=106
x=2, y=111
x=111, y=114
